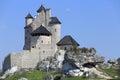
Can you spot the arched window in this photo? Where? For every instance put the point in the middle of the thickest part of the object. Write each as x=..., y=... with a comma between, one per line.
x=65, y=48
x=55, y=30
x=33, y=46
x=43, y=51
x=42, y=41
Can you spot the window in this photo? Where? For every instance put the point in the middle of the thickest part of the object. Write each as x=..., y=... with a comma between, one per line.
x=25, y=37
x=27, y=30
x=43, y=51
x=42, y=41
x=65, y=48
x=33, y=46
x=55, y=30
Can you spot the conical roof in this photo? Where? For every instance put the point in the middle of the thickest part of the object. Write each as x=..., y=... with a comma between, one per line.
x=28, y=16
x=67, y=40
x=41, y=8
x=41, y=31
x=54, y=20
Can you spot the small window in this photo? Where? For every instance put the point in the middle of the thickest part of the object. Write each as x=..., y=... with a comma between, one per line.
x=55, y=30
x=27, y=30
x=25, y=37
x=33, y=46
x=42, y=41
x=43, y=51
x=65, y=48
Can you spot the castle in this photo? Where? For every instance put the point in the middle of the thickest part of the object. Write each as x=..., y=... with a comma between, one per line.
x=42, y=39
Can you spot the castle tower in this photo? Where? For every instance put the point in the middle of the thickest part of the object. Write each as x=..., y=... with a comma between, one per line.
x=42, y=33
x=29, y=19
x=54, y=27
x=42, y=17
x=28, y=30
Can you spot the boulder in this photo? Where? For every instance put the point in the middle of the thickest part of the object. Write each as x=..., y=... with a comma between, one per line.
x=118, y=60
x=80, y=63
x=48, y=77
x=52, y=63
x=23, y=79
x=112, y=61
x=9, y=72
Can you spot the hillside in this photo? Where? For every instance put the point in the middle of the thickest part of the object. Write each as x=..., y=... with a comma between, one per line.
x=37, y=75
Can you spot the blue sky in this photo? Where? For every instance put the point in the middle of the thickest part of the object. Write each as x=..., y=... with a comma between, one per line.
x=92, y=23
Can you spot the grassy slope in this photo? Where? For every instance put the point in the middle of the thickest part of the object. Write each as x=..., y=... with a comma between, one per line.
x=37, y=75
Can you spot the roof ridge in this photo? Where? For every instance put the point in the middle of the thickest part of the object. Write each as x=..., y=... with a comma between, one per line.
x=41, y=31
x=41, y=8
x=28, y=16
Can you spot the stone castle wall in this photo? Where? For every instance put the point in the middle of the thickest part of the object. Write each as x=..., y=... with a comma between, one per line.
x=36, y=48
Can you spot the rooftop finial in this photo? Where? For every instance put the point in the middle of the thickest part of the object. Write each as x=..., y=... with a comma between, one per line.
x=41, y=8
x=42, y=4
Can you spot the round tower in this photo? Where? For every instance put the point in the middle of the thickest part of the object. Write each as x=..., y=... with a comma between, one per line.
x=54, y=27
x=29, y=19
x=28, y=30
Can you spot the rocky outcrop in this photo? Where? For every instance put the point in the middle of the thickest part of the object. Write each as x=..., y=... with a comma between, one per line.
x=73, y=63
x=82, y=62
x=52, y=63
x=118, y=61
x=23, y=79
x=81, y=59
x=9, y=72
x=113, y=61
x=48, y=77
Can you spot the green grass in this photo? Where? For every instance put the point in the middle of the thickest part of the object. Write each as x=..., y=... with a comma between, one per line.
x=38, y=75
x=74, y=78
x=112, y=72
x=35, y=75
x=80, y=78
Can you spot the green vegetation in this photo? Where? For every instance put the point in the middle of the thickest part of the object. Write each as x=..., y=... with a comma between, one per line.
x=38, y=75
x=0, y=72
x=74, y=78
x=112, y=72
x=35, y=75
x=80, y=78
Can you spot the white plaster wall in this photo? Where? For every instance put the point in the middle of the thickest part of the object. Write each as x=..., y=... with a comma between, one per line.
x=55, y=30
x=39, y=41
x=29, y=21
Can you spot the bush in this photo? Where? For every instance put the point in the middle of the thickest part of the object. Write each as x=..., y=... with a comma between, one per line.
x=0, y=72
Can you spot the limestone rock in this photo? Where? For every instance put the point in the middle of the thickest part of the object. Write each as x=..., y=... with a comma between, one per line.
x=81, y=59
x=48, y=77
x=52, y=63
x=118, y=61
x=80, y=62
x=105, y=65
x=112, y=61
x=23, y=79
x=9, y=72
